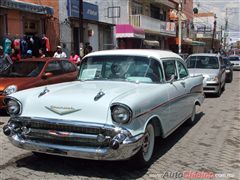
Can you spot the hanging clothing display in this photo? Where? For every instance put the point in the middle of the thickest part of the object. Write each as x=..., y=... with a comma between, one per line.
x=7, y=46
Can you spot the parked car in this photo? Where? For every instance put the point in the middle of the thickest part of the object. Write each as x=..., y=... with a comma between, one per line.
x=235, y=60
x=212, y=67
x=121, y=101
x=29, y=73
x=229, y=69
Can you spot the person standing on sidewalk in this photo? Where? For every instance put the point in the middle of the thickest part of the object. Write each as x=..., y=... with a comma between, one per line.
x=5, y=61
x=59, y=53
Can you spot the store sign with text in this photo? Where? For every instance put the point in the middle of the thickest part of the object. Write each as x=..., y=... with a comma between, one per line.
x=28, y=7
x=90, y=11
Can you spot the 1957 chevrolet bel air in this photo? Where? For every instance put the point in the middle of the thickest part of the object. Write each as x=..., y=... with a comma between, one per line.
x=122, y=100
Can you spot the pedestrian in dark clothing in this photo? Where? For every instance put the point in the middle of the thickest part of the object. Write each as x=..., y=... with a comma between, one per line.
x=5, y=61
x=15, y=55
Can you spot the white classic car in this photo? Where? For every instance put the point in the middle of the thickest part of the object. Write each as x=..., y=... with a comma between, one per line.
x=122, y=100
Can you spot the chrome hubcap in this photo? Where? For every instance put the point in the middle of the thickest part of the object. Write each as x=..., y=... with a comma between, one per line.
x=146, y=143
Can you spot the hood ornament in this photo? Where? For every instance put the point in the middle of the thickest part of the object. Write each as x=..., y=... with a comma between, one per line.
x=60, y=110
x=45, y=91
x=99, y=95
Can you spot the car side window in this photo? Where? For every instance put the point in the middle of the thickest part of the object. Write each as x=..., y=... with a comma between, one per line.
x=182, y=70
x=67, y=66
x=54, y=68
x=169, y=69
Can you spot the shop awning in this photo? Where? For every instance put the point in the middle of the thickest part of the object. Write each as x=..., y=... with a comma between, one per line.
x=191, y=42
x=129, y=31
x=151, y=43
x=25, y=6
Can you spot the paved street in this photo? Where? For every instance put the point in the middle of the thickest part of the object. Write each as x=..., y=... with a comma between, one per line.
x=212, y=145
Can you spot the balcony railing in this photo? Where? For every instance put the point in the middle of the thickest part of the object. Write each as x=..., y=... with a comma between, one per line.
x=153, y=25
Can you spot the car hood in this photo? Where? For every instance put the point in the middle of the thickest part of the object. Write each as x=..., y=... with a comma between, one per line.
x=73, y=100
x=204, y=72
x=19, y=82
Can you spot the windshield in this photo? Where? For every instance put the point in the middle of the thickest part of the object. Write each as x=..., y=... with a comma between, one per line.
x=234, y=58
x=24, y=69
x=121, y=68
x=203, y=62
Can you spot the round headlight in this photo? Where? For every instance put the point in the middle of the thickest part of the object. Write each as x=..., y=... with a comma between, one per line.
x=10, y=89
x=13, y=107
x=121, y=114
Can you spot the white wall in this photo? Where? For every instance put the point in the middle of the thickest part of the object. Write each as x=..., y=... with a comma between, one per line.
x=65, y=29
x=103, y=6
x=94, y=39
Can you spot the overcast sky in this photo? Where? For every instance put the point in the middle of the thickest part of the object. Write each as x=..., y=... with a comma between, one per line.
x=219, y=8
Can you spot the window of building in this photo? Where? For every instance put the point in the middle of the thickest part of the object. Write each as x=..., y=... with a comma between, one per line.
x=155, y=11
x=137, y=8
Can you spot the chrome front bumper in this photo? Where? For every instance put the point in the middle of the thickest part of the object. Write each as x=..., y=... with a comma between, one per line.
x=126, y=150
x=127, y=147
x=236, y=67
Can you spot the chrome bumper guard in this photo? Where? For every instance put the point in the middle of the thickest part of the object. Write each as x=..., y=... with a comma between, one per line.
x=117, y=144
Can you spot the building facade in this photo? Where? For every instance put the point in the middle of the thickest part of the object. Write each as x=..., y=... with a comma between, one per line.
x=31, y=18
x=96, y=30
x=142, y=23
x=204, y=31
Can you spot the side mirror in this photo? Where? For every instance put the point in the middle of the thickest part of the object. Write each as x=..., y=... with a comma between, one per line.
x=232, y=64
x=47, y=75
x=173, y=77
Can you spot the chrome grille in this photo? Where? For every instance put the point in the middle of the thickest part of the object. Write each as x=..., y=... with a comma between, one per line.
x=76, y=135
x=68, y=128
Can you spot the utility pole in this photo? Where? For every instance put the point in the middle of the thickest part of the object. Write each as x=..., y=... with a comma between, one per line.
x=214, y=32
x=221, y=37
x=80, y=21
x=179, y=26
x=225, y=31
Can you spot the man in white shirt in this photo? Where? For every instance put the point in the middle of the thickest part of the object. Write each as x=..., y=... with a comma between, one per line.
x=59, y=53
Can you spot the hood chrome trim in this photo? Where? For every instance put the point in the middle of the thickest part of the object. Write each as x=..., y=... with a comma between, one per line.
x=99, y=95
x=45, y=91
x=62, y=110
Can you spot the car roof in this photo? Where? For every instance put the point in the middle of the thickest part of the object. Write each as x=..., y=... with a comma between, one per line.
x=158, y=54
x=42, y=59
x=233, y=56
x=205, y=54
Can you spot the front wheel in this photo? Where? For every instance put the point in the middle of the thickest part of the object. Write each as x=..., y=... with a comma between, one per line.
x=144, y=156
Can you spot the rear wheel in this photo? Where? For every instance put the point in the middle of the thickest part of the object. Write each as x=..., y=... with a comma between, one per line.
x=144, y=156
x=219, y=91
x=192, y=119
x=223, y=88
x=231, y=78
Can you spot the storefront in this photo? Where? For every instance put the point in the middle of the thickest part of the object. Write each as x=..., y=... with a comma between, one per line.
x=98, y=34
x=189, y=46
x=129, y=37
x=20, y=18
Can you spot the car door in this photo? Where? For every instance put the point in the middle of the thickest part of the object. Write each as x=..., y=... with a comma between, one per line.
x=176, y=93
x=186, y=83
